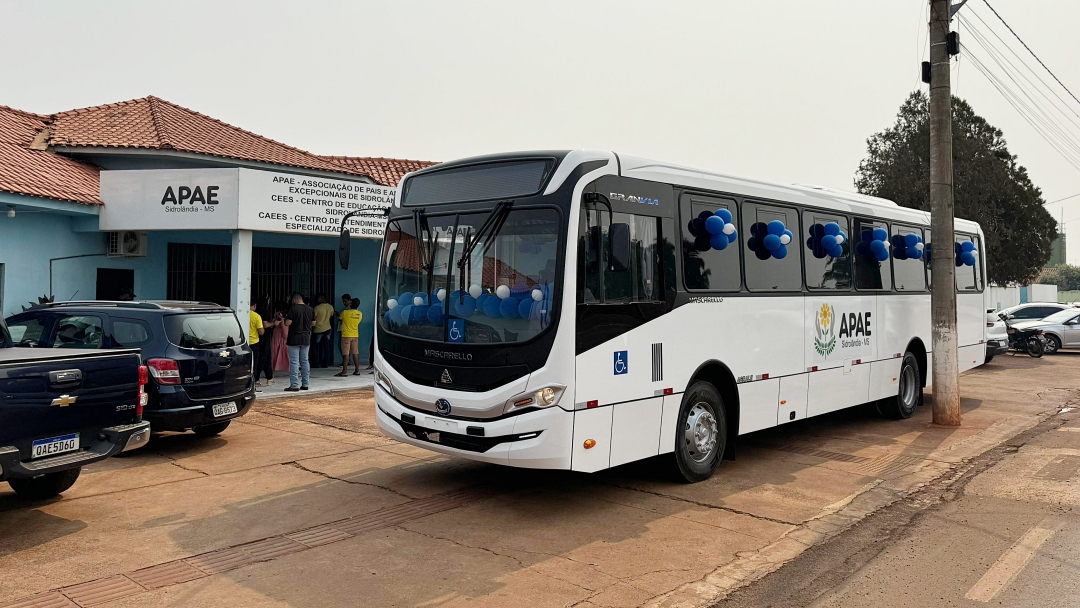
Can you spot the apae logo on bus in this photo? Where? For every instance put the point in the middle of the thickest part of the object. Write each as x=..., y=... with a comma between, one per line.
x=852, y=336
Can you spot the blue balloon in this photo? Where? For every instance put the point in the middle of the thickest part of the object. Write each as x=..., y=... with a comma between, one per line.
x=719, y=241
x=704, y=215
x=524, y=307
x=405, y=298
x=509, y=308
x=843, y=234
x=880, y=234
x=776, y=227
x=881, y=256
x=780, y=252
x=790, y=235
x=877, y=246
x=863, y=249
x=816, y=230
x=968, y=258
x=911, y=239
x=491, y=306
x=967, y=246
x=406, y=314
x=828, y=241
x=724, y=215
x=715, y=225
x=484, y=297
x=758, y=229
x=836, y=251
x=418, y=315
x=465, y=307
x=771, y=242
x=832, y=229
x=734, y=236
x=434, y=315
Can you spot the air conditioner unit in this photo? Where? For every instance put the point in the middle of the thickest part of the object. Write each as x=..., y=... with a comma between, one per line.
x=125, y=244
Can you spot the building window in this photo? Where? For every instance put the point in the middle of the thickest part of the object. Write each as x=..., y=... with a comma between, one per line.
x=771, y=266
x=872, y=268
x=707, y=263
x=114, y=283
x=828, y=255
x=907, y=253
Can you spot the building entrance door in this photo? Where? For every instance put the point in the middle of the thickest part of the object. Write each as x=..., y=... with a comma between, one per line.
x=199, y=273
x=281, y=272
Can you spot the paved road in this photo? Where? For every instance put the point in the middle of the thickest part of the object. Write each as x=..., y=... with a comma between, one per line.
x=304, y=503
x=1006, y=532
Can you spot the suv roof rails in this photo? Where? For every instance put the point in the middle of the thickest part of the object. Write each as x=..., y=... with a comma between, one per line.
x=143, y=304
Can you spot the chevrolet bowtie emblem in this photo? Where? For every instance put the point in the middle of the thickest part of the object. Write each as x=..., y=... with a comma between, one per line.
x=64, y=400
x=224, y=354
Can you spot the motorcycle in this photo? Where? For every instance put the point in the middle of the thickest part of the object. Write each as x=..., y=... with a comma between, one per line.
x=1030, y=341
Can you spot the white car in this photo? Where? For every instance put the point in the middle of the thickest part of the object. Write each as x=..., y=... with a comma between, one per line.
x=1062, y=329
x=997, y=337
x=1031, y=311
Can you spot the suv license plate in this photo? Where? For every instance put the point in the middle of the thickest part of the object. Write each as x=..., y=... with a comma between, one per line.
x=224, y=409
x=55, y=445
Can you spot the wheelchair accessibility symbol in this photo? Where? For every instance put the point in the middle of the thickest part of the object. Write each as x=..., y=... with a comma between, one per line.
x=457, y=330
x=621, y=366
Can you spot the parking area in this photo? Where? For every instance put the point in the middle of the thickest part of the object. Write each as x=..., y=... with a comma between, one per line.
x=303, y=502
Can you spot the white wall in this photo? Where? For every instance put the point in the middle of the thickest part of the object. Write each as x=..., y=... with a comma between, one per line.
x=1001, y=297
x=1042, y=293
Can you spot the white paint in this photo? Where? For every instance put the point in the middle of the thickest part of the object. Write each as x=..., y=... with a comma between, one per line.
x=793, y=397
x=592, y=424
x=142, y=200
x=1012, y=562
x=635, y=430
x=240, y=288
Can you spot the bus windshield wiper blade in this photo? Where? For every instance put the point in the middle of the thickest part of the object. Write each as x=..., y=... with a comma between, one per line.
x=493, y=223
x=425, y=245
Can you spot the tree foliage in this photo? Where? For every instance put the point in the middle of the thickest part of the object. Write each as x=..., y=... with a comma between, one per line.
x=1065, y=276
x=989, y=186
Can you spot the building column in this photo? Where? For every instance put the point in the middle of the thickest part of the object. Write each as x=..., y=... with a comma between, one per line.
x=240, y=290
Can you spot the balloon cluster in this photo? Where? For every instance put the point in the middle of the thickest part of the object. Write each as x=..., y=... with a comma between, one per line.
x=826, y=240
x=874, y=244
x=907, y=246
x=713, y=230
x=519, y=301
x=965, y=253
x=769, y=240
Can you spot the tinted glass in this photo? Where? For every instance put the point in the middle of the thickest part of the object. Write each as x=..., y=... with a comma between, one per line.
x=906, y=248
x=872, y=268
x=130, y=332
x=709, y=263
x=78, y=332
x=927, y=251
x=26, y=332
x=1062, y=316
x=406, y=276
x=771, y=264
x=967, y=263
x=477, y=182
x=640, y=281
x=828, y=255
x=202, y=330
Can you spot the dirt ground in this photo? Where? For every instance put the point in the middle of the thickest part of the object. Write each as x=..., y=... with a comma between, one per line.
x=304, y=503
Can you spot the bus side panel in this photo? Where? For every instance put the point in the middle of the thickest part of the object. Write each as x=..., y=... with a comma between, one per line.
x=669, y=424
x=635, y=430
x=758, y=402
x=884, y=378
x=970, y=320
x=793, y=393
x=594, y=424
x=838, y=388
x=970, y=357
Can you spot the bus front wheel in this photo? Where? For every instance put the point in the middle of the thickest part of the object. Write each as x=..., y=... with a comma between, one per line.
x=908, y=393
x=702, y=435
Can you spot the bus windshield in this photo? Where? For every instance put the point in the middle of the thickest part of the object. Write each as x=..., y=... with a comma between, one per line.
x=504, y=292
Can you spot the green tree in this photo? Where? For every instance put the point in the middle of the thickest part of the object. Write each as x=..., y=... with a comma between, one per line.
x=1065, y=276
x=989, y=186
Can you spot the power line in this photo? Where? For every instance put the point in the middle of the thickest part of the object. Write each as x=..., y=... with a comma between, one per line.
x=1064, y=199
x=1030, y=51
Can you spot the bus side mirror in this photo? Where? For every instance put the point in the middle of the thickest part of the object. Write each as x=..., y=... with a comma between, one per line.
x=344, y=248
x=619, y=237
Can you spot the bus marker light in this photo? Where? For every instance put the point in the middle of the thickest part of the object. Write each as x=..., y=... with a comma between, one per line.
x=521, y=402
x=898, y=355
x=592, y=403
x=669, y=391
x=894, y=379
x=812, y=369
x=590, y=443
x=858, y=361
x=783, y=401
x=764, y=376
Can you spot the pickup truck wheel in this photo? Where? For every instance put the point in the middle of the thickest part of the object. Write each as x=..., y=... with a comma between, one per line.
x=210, y=430
x=45, y=486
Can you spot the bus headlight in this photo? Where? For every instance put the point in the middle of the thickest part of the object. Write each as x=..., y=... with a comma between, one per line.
x=542, y=397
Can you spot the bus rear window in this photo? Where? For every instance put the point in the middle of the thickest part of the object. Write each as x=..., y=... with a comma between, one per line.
x=477, y=182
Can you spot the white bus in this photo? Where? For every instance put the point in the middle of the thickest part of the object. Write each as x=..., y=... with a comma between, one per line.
x=581, y=310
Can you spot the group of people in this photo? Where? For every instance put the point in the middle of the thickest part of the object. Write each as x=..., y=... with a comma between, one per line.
x=300, y=338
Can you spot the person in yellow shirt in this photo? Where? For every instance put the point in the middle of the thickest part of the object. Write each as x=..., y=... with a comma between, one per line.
x=350, y=338
x=323, y=351
x=255, y=329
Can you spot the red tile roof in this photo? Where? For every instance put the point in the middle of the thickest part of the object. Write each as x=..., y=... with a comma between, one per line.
x=154, y=123
x=27, y=167
x=385, y=171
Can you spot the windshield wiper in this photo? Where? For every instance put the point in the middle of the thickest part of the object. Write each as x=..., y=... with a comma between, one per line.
x=492, y=224
x=425, y=244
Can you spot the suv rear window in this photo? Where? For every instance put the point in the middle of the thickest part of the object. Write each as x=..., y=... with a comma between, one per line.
x=202, y=330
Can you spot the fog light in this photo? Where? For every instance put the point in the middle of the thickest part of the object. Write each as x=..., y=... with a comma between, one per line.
x=590, y=443
x=546, y=396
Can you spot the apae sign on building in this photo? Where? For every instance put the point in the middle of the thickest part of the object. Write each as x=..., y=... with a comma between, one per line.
x=245, y=199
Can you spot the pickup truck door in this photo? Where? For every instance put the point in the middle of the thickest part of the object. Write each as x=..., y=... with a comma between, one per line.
x=51, y=392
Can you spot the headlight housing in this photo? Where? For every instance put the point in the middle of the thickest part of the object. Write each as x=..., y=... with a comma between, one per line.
x=545, y=396
x=383, y=381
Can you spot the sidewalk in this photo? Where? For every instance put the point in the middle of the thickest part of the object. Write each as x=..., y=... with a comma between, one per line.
x=322, y=380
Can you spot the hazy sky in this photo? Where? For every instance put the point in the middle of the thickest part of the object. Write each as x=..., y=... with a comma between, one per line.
x=786, y=90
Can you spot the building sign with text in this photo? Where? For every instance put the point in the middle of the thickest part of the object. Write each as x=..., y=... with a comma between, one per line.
x=246, y=199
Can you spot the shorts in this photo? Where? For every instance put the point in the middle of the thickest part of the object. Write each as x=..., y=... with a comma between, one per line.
x=349, y=346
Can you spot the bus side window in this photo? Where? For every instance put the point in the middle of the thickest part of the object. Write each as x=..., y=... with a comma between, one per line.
x=642, y=279
x=777, y=269
x=824, y=270
x=967, y=275
x=871, y=271
x=907, y=255
x=706, y=266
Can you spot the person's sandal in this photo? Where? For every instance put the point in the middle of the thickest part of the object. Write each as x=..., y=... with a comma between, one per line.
x=342, y=375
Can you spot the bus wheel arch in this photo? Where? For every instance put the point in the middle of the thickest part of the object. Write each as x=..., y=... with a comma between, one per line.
x=720, y=376
x=917, y=348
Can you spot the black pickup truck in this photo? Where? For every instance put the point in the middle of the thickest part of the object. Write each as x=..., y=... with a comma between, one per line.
x=62, y=409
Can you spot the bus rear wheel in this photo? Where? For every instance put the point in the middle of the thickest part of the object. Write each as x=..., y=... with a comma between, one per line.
x=702, y=435
x=908, y=393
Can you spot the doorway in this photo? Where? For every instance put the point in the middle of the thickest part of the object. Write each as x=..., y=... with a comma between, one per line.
x=280, y=273
x=114, y=282
x=199, y=273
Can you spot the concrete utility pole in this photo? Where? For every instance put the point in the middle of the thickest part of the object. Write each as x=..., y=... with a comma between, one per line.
x=946, y=373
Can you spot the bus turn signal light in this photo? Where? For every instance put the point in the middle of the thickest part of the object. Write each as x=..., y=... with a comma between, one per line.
x=590, y=443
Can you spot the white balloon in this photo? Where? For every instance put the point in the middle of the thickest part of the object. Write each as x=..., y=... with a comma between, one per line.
x=475, y=291
x=785, y=239
x=729, y=228
x=919, y=246
x=441, y=294
x=418, y=301
x=391, y=304
x=537, y=295
x=887, y=244
x=503, y=291
x=839, y=239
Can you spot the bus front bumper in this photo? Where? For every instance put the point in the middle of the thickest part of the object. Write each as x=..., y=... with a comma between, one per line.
x=540, y=439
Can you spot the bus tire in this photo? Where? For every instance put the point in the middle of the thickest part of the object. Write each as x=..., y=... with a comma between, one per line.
x=702, y=433
x=908, y=393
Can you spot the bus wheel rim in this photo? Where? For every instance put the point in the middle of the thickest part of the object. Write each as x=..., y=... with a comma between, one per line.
x=907, y=387
x=701, y=433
